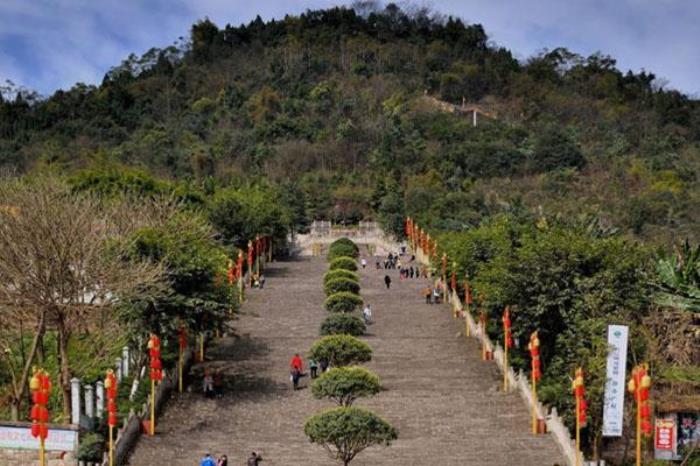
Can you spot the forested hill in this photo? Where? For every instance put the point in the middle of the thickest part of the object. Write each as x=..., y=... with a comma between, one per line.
x=329, y=104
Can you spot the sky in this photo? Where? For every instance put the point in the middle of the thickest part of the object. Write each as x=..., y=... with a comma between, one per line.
x=47, y=45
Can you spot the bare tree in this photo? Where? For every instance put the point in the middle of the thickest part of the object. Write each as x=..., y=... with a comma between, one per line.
x=62, y=259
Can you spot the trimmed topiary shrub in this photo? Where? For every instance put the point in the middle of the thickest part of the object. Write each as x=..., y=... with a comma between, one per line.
x=343, y=324
x=340, y=273
x=346, y=384
x=341, y=350
x=340, y=250
x=345, y=242
x=345, y=432
x=341, y=284
x=343, y=302
x=344, y=262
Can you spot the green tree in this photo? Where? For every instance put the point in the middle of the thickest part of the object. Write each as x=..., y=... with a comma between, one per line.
x=342, y=301
x=342, y=323
x=346, y=432
x=341, y=350
x=344, y=385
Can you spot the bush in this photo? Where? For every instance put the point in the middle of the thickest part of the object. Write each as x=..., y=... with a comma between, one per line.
x=91, y=448
x=344, y=262
x=345, y=324
x=341, y=350
x=343, y=302
x=346, y=384
x=340, y=273
x=345, y=242
x=341, y=251
x=341, y=285
x=347, y=431
x=343, y=248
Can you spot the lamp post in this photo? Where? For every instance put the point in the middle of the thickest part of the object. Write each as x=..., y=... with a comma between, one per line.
x=507, y=344
x=581, y=408
x=182, y=343
x=536, y=374
x=111, y=387
x=467, y=303
x=40, y=386
x=639, y=385
x=156, y=376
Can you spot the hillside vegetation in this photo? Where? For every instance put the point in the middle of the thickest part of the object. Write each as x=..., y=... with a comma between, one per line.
x=329, y=104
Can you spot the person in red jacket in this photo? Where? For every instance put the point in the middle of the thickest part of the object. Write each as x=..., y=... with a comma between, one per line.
x=296, y=365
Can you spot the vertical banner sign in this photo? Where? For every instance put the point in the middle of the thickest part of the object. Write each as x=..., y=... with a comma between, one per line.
x=664, y=438
x=615, y=381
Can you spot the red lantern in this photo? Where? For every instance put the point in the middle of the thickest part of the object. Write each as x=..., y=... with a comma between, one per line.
x=155, y=363
x=182, y=338
x=35, y=412
x=534, y=347
x=35, y=429
x=43, y=431
x=40, y=387
x=506, y=328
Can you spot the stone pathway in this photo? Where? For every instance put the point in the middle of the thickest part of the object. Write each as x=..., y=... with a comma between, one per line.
x=443, y=399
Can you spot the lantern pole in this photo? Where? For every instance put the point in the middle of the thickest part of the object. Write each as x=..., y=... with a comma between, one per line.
x=42, y=453
x=534, y=403
x=153, y=407
x=111, y=446
x=201, y=346
x=179, y=370
x=638, y=399
x=467, y=298
x=578, y=431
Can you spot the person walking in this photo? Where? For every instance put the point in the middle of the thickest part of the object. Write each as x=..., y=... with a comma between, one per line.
x=367, y=314
x=387, y=281
x=207, y=461
x=323, y=364
x=223, y=461
x=313, y=367
x=208, y=384
x=254, y=459
x=261, y=281
x=363, y=262
x=296, y=365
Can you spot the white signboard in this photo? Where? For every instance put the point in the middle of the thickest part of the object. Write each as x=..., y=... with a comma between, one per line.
x=614, y=399
x=20, y=438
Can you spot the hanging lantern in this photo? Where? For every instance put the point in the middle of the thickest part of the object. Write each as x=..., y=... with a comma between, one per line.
x=534, y=347
x=508, y=337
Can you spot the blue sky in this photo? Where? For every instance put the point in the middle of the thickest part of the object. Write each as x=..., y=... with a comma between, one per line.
x=51, y=44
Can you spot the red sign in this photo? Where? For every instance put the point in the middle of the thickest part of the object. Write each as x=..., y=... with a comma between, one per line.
x=664, y=434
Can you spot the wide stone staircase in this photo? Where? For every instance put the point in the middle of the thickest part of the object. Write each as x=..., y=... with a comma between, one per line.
x=443, y=399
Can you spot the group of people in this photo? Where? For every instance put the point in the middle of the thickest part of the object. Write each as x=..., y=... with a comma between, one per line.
x=253, y=460
x=296, y=368
x=393, y=261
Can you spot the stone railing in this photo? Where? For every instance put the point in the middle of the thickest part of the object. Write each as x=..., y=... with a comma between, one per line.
x=309, y=244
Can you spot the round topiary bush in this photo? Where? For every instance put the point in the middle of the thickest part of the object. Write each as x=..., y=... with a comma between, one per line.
x=344, y=262
x=344, y=385
x=343, y=302
x=344, y=241
x=341, y=284
x=341, y=350
x=343, y=324
x=341, y=250
x=340, y=273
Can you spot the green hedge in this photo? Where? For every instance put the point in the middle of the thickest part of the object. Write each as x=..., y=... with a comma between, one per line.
x=341, y=250
x=345, y=263
x=343, y=302
x=340, y=273
x=343, y=324
x=345, y=242
x=341, y=284
x=341, y=350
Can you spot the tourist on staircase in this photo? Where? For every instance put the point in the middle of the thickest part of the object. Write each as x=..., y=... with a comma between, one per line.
x=207, y=461
x=254, y=459
x=296, y=365
x=387, y=281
